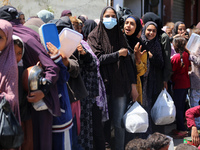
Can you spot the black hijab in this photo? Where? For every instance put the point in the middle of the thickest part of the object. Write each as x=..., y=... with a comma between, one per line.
x=105, y=40
x=8, y=13
x=63, y=22
x=150, y=16
x=89, y=25
x=153, y=45
x=133, y=40
x=146, y=41
x=109, y=41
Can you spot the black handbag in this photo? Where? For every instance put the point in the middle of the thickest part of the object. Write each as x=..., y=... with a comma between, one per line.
x=11, y=133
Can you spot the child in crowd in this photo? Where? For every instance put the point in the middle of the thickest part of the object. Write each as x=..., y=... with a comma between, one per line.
x=75, y=80
x=61, y=124
x=19, y=48
x=158, y=141
x=184, y=146
x=181, y=82
x=24, y=105
x=138, y=144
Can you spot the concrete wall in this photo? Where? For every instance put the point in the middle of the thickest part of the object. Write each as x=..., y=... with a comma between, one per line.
x=91, y=8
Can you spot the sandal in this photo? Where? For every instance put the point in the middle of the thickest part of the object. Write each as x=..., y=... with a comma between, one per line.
x=180, y=134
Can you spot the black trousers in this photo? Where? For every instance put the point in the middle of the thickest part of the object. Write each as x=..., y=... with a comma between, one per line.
x=98, y=132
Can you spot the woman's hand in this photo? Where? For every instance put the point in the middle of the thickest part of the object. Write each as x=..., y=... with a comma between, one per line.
x=35, y=96
x=65, y=60
x=165, y=85
x=80, y=49
x=195, y=136
x=138, y=53
x=183, y=35
x=150, y=54
x=134, y=92
x=123, y=52
x=52, y=49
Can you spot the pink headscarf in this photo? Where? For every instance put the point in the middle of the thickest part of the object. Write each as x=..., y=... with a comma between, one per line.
x=9, y=70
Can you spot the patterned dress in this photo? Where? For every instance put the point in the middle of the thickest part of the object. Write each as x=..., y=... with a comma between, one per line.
x=90, y=78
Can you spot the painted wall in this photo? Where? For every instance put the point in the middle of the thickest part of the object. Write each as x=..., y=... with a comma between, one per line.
x=91, y=8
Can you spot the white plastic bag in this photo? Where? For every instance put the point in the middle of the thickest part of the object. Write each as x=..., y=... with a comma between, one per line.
x=171, y=144
x=136, y=119
x=163, y=111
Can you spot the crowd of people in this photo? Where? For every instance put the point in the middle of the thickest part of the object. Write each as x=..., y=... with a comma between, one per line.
x=85, y=96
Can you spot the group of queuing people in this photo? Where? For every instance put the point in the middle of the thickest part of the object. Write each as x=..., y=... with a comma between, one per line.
x=86, y=95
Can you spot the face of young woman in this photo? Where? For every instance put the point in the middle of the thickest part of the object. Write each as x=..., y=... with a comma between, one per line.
x=151, y=32
x=3, y=40
x=109, y=13
x=181, y=28
x=129, y=26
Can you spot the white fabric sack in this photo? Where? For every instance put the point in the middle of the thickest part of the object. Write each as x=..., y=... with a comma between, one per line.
x=136, y=119
x=163, y=111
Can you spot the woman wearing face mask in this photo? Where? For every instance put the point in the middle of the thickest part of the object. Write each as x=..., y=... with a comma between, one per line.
x=116, y=67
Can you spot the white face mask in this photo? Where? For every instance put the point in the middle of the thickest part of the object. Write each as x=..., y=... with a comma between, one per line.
x=109, y=23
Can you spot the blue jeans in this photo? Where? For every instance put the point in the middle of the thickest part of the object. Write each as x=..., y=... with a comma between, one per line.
x=117, y=108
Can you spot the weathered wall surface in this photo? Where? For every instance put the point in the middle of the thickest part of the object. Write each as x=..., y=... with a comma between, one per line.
x=91, y=8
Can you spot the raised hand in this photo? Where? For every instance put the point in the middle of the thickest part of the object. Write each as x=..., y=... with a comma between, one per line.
x=138, y=53
x=52, y=49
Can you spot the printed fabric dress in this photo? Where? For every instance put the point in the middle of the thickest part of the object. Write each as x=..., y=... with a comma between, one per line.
x=89, y=74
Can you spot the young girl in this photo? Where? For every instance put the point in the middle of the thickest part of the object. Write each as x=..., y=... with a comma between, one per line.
x=180, y=80
x=61, y=124
x=24, y=105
